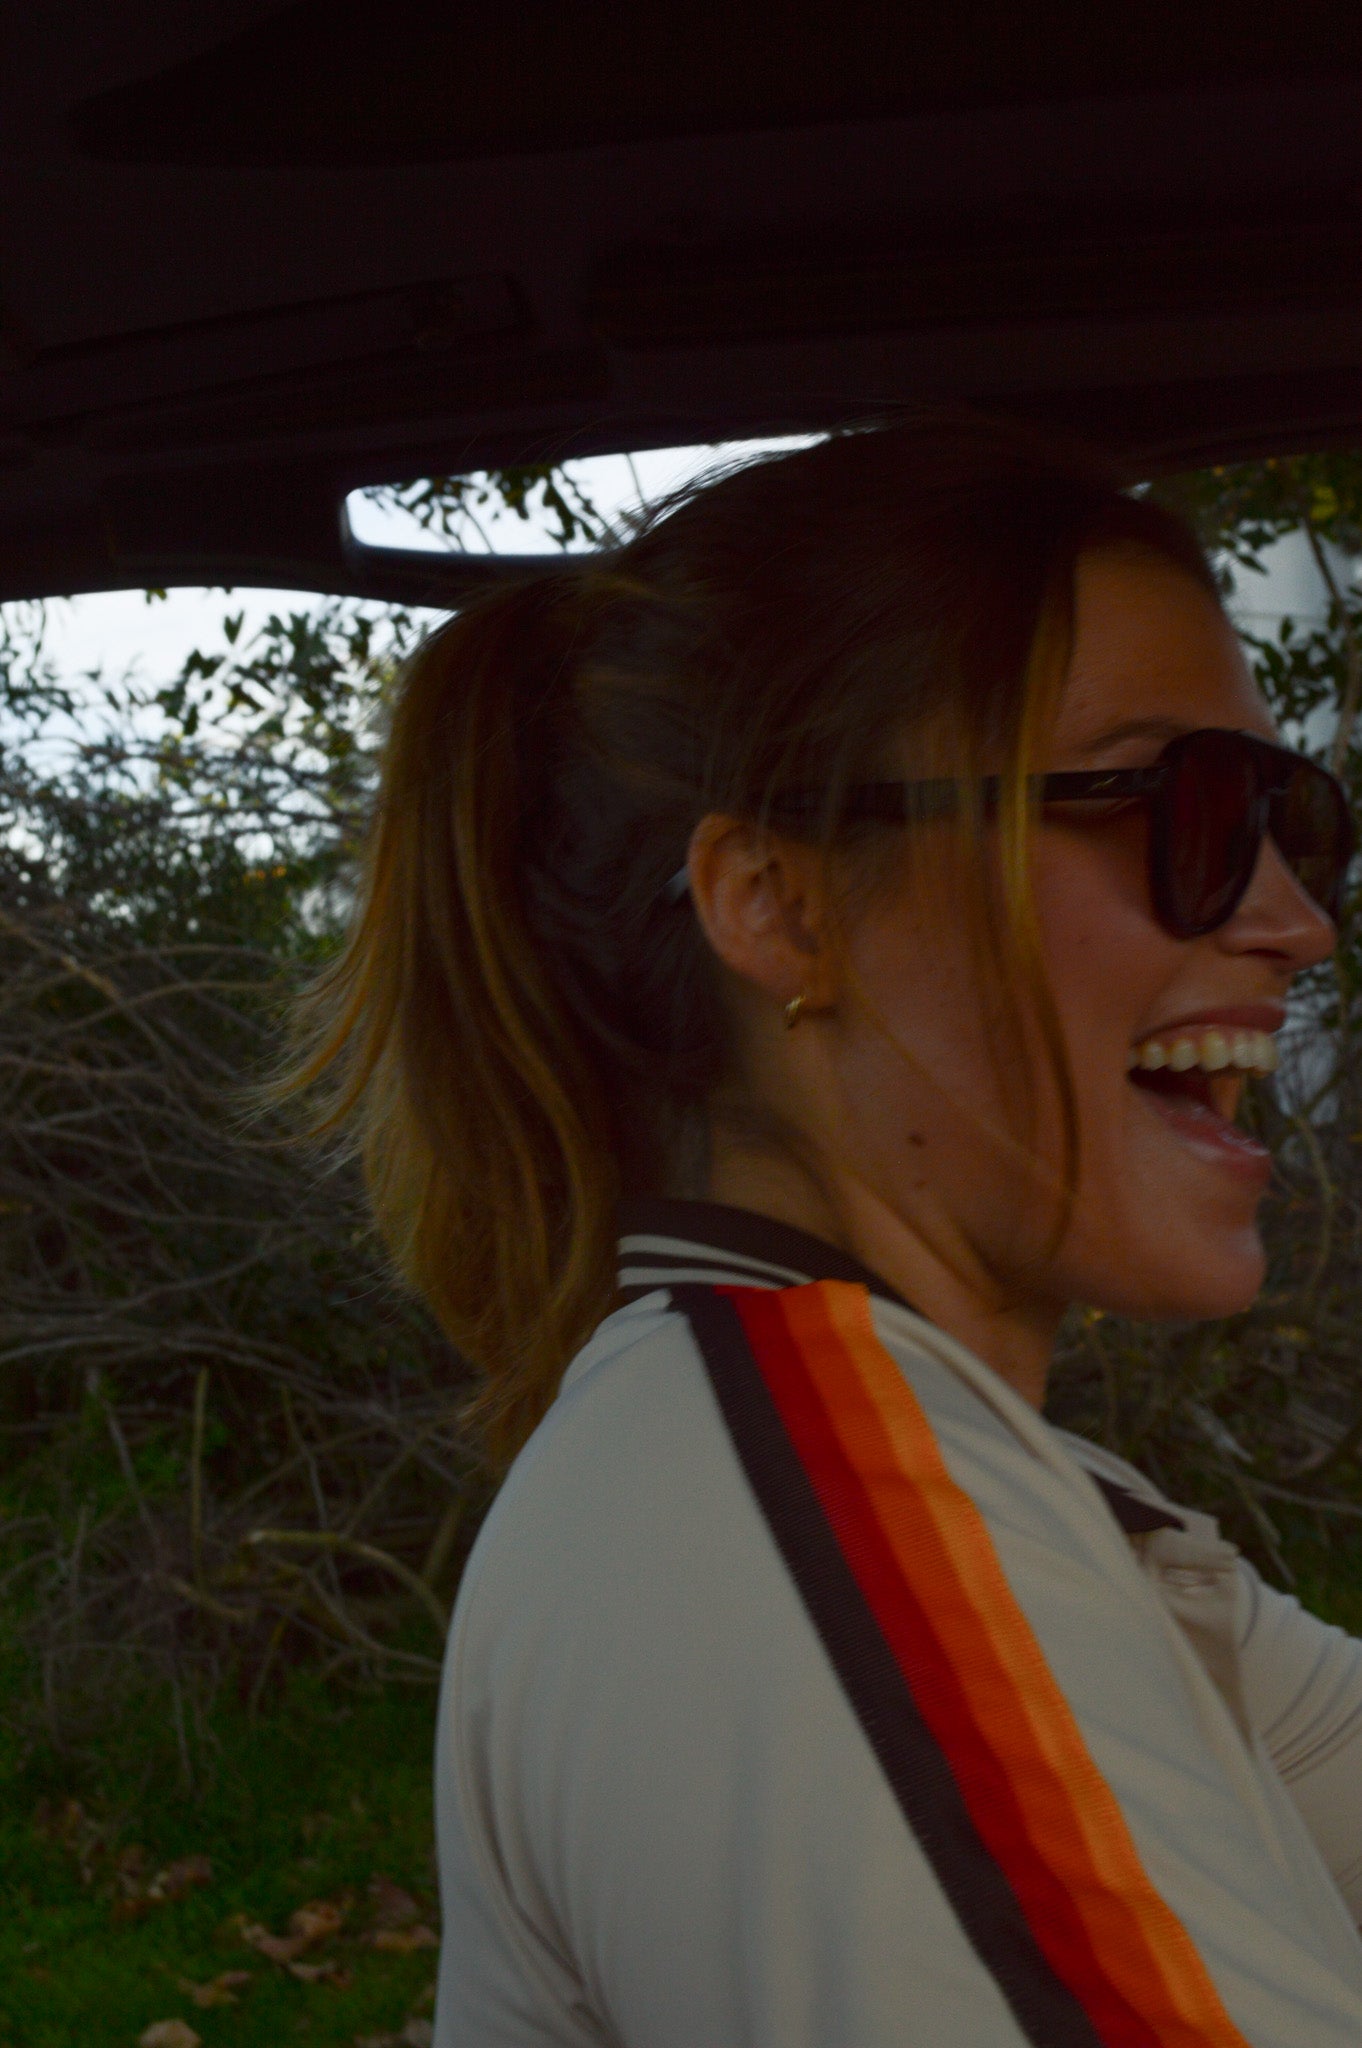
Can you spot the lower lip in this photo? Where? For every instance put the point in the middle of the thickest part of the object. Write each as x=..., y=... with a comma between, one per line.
x=1212, y=1138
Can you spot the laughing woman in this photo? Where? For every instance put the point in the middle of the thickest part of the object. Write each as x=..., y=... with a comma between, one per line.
x=801, y=958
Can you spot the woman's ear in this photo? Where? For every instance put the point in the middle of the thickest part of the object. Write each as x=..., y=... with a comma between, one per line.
x=762, y=903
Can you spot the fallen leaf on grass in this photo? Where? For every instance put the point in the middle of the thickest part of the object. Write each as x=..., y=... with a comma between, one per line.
x=403, y=1941
x=137, y=1896
x=66, y=1823
x=169, y=2034
x=180, y=1877
x=314, y=1922
x=219, y=1990
x=318, y=1918
x=329, y=1972
x=392, y=1906
x=276, y=1948
x=415, y=2034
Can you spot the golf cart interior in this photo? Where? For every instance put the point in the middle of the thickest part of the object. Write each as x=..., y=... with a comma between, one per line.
x=253, y=257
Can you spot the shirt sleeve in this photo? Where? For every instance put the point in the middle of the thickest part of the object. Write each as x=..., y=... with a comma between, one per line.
x=1302, y=1681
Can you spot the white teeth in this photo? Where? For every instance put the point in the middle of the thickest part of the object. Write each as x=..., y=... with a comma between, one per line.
x=1248, y=1052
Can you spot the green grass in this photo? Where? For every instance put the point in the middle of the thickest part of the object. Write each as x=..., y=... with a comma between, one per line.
x=312, y=1801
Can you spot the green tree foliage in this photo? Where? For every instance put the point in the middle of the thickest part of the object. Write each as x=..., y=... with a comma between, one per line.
x=1240, y=513
x=226, y=1440
x=452, y=506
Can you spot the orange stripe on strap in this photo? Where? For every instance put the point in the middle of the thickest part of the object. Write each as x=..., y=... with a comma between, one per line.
x=982, y=1682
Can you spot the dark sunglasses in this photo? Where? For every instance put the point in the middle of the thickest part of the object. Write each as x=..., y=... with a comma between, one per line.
x=1213, y=797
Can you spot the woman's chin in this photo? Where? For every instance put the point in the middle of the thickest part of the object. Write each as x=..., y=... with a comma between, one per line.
x=1197, y=1280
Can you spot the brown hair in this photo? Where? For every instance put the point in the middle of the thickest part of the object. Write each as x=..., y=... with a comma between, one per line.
x=522, y=1026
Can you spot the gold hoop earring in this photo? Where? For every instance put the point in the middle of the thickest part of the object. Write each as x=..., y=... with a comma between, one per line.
x=794, y=1010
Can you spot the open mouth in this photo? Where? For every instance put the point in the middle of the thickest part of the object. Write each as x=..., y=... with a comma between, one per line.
x=1194, y=1079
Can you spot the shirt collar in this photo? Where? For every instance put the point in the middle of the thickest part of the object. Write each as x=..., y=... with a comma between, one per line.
x=665, y=1241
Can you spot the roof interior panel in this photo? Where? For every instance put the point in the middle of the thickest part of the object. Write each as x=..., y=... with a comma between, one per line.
x=327, y=245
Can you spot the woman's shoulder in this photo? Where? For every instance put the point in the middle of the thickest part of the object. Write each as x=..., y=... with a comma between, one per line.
x=631, y=1451
x=624, y=1601
x=638, y=1376
x=634, y=1477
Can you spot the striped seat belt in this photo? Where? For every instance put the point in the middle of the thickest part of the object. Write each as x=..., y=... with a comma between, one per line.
x=900, y=1577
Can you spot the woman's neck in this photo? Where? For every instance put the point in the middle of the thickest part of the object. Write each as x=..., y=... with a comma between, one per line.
x=945, y=1284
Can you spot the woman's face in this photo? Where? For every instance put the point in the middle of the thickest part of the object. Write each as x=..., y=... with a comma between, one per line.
x=1164, y=1223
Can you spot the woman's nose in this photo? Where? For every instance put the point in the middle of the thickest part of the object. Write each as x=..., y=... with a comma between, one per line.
x=1277, y=915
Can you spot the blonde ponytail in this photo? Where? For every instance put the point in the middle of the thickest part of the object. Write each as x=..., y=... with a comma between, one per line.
x=482, y=1123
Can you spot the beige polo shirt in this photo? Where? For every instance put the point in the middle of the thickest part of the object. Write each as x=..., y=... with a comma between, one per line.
x=660, y=1822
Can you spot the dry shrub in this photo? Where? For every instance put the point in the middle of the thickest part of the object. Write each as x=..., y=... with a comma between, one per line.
x=227, y=1441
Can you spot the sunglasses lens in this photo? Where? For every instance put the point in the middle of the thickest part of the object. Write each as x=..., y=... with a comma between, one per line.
x=1312, y=828
x=1213, y=818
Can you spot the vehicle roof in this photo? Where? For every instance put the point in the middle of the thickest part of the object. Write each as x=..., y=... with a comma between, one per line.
x=253, y=256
